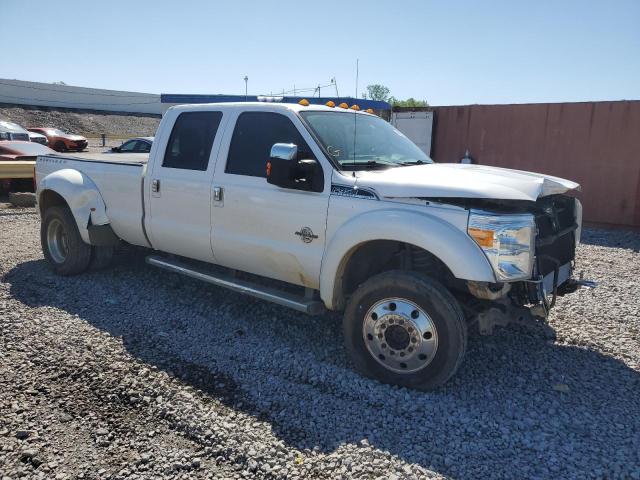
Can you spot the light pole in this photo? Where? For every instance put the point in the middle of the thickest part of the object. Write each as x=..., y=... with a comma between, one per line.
x=246, y=81
x=335, y=84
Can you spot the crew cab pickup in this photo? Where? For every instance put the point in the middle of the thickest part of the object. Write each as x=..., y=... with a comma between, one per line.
x=320, y=208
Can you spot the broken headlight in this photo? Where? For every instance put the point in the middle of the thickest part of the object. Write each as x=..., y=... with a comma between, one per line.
x=508, y=241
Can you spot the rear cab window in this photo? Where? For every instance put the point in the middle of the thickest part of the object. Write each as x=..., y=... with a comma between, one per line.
x=192, y=136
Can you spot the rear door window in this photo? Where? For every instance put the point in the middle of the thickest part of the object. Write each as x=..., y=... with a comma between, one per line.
x=191, y=139
x=142, y=147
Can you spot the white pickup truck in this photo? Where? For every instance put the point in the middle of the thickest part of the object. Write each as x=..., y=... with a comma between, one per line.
x=337, y=210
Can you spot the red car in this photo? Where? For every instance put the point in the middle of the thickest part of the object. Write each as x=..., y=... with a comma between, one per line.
x=62, y=141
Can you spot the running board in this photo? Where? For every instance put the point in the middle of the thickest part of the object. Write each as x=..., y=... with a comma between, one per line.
x=300, y=303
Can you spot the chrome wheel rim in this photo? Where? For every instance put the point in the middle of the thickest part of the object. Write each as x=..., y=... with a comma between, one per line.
x=400, y=335
x=57, y=243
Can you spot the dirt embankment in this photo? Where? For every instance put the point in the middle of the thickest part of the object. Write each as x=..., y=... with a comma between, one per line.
x=87, y=123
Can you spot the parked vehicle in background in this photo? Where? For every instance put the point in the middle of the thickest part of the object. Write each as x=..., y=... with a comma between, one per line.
x=18, y=150
x=135, y=145
x=12, y=131
x=38, y=138
x=62, y=141
x=17, y=164
x=340, y=208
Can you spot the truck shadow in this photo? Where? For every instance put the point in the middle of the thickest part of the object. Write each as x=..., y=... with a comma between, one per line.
x=539, y=406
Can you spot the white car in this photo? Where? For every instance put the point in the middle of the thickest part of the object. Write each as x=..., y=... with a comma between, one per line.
x=13, y=131
x=38, y=138
x=340, y=208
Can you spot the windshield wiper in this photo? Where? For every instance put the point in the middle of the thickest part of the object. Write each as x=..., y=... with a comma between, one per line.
x=415, y=162
x=368, y=163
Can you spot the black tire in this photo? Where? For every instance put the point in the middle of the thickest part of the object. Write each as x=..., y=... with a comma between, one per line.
x=434, y=300
x=60, y=146
x=101, y=257
x=73, y=256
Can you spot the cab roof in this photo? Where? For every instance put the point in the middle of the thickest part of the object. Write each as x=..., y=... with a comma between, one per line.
x=267, y=106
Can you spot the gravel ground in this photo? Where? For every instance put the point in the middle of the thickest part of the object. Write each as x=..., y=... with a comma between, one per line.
x=138, y=373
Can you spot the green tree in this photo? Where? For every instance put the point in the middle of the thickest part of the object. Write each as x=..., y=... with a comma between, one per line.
x=378, y=92
x=409, y=102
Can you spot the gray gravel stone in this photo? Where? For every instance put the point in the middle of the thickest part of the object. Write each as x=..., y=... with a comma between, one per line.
x=162, y=373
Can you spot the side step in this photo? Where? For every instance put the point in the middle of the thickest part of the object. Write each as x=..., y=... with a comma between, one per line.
x=300, y=303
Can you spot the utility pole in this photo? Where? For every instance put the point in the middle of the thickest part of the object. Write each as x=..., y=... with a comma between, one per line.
x=246, y=82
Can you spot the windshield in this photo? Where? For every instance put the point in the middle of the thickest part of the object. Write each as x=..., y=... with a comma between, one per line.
x=11, y=127
x=363, y=141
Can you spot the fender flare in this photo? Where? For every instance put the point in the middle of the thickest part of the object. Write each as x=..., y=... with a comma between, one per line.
x=82, y=196
x=453, y=247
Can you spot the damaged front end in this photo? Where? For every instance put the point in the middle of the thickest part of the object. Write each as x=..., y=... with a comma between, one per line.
x=531, y=246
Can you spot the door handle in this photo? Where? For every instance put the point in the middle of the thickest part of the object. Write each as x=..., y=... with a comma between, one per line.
x=217, y=194
x=155, y=186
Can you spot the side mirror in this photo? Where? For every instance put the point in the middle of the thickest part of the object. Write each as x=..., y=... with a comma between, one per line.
x=286, y=171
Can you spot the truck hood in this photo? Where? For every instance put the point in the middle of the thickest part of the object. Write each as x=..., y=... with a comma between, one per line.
x=448, y=180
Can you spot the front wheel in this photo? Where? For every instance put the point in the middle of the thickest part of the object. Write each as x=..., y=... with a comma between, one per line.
x=62, y=244
x=405, y=329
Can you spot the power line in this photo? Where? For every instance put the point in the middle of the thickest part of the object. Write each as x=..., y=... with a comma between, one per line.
x=310, y=89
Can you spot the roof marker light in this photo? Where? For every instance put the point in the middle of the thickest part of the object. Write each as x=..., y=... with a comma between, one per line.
x=355, y=107
x=369, y=110
x=330, y=104
x=343, y=105
x=304, y=102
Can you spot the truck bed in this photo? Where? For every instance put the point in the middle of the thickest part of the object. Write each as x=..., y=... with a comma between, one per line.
x=118, y=178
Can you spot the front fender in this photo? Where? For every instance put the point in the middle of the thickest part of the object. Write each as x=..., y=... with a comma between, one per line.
x=82, y=196
x=452, y=246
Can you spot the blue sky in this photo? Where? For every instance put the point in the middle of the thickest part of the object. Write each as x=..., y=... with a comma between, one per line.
x=446, y=52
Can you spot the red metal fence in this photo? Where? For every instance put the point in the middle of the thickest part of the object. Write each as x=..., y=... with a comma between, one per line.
x=596, y=144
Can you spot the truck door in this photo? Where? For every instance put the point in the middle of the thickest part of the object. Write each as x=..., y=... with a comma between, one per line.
x=179, y=186
x=258, y=227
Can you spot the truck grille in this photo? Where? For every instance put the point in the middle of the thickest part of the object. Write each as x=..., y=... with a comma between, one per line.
x=555, y=243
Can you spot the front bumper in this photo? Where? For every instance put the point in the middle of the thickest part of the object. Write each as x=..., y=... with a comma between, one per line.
x=546, y=289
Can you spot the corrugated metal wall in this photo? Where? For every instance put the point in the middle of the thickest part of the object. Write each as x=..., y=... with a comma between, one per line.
x=596, y=144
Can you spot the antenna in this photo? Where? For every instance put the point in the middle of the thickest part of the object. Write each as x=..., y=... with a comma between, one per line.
x=357, y=71
x=355, y=117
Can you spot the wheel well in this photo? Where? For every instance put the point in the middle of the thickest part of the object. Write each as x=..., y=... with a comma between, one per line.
x=377, y=256
x=48, y=199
